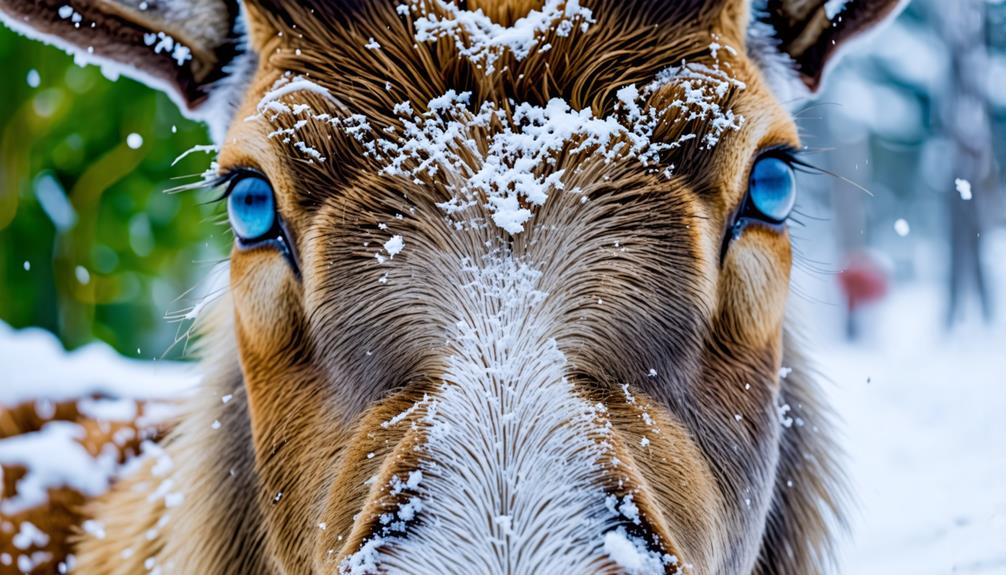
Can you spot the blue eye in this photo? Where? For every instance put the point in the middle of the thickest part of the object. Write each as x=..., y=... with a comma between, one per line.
x=251, y=208
x=772, y=189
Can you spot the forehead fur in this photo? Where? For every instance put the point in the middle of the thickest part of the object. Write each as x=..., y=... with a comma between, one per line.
x=369, y=57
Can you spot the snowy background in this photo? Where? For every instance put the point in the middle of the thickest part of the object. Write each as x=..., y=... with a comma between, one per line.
x=923, y=427
x=922, y=399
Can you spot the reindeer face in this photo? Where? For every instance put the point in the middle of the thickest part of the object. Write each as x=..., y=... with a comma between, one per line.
x=509, y=282
x=509, y=299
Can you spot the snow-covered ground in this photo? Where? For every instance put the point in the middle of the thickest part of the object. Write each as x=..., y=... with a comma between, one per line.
x=925, y=430
x=35, y=366
x=37, y=371
x=924, y=427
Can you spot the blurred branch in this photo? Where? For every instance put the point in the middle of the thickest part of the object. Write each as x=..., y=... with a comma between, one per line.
x=74, y=248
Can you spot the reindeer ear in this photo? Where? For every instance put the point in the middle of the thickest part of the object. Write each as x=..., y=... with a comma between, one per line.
x=178, y=46
x=812, y=31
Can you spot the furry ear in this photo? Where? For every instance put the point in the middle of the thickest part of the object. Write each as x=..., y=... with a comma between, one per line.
x=178, y=46
x=811, y=32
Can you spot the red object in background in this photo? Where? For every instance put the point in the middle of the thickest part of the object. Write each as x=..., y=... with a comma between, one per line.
x=864, y=279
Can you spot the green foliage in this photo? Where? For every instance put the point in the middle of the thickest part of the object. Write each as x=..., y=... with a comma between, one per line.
x=133, y=250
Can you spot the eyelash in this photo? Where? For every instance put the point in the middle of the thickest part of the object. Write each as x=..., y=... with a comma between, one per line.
x=788, y=154
x=227, y=180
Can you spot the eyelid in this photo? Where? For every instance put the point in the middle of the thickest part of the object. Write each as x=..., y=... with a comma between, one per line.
x=231, y=177
x=235, y=175
x=784, y=152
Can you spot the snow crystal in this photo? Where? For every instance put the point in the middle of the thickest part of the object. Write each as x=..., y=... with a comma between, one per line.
x=28, y=563
x=33, y=78
x=163, y=43
x=629, y=510
x=403, y=415
x=963, y=188
x=366, y=558
x=94, y=528
x=394, y=246
x=364, y=561
x=901, y=227
x=622, y=551
x=83, y=276
x=29, y=536
x=784, y=418
x=285, y=86
x=483, y=41
x=630, y=553
x=134, y=141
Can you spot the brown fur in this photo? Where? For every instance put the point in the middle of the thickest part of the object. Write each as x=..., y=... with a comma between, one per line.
x=635, y=279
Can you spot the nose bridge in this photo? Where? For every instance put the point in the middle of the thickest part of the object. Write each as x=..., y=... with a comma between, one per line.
x=515, y=469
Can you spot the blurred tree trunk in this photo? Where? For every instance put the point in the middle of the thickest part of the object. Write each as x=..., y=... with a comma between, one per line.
x=966, y=121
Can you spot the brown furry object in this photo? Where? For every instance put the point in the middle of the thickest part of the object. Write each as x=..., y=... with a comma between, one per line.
x=600, y=388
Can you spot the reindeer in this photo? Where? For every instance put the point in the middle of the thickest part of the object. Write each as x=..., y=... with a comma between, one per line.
x=508, y=287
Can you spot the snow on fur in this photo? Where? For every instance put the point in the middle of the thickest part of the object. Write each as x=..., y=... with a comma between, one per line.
x=105, y=387
x=54, y=458
x=515, y=169
x=483, y=41
x=514, y=463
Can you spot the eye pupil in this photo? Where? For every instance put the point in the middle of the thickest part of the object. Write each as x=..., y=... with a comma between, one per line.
x=251, y=208
x=772, y=189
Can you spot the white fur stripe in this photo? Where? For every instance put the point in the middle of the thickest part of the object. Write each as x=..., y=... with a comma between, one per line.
x=512, y=469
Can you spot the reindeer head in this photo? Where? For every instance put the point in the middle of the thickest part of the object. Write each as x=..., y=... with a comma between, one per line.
x=509, y=278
